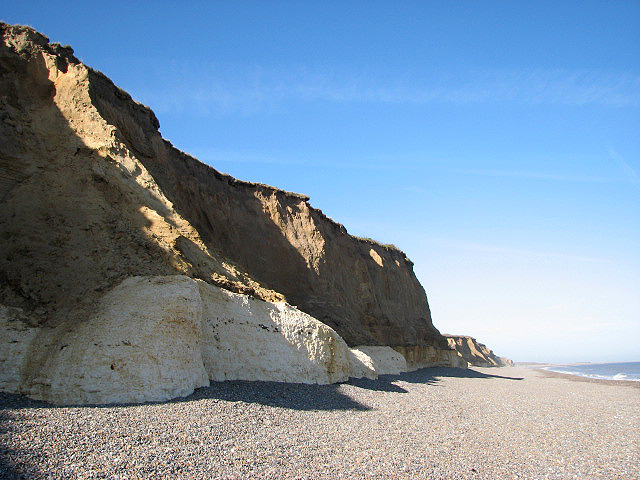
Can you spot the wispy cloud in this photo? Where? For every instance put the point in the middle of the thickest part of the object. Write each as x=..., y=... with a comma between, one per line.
x=207, y=89
x=534, y=87
x=500, y=250
x=629, y=171
x=419, y=161
x=537, y=176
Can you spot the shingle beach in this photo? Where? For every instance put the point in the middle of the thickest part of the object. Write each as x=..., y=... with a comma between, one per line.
x=502, y=423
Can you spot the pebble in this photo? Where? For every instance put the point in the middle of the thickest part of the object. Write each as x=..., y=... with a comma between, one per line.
x=507, y=423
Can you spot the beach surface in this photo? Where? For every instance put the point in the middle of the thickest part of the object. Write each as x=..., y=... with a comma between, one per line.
x=493, y=423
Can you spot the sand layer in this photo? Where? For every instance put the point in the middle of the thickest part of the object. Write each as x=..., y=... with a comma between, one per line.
x=432, y=423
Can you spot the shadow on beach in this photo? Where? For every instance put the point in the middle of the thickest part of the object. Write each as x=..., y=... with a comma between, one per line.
x=428, y=376
x=295, y=396
x=12, y=467
x=417, y=376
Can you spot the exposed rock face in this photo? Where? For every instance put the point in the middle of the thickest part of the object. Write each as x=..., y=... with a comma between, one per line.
x=362, y=365
x=475, y=353
x=419, y=356
x=157, y=338
x=79, y=212
x=246, y=338
x=142, y=343
x=17, y=332
x=101, y=197
x=366, y=291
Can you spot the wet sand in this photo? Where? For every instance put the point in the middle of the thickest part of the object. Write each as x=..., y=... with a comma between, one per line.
x=501, y=423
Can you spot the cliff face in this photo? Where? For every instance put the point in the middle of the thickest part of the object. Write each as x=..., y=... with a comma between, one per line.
x=91, y=194
x=366, y=291
x=475, y=353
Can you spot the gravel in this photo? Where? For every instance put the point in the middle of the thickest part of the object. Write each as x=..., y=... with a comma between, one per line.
x=506, y=423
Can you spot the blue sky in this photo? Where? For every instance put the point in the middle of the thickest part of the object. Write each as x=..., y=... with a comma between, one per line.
x=496, y=143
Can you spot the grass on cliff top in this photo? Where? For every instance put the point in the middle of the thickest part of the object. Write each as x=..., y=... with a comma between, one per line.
x=389, y=246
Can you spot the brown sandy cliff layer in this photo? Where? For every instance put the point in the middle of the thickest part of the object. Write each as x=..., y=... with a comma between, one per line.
x=91, y=194
x=476, y=353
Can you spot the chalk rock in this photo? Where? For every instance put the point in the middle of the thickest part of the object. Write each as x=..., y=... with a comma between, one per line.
x=381, y=360
x=245, y=338
x=362, y=365
x=16, y=336
x=159, y=337
x=142, y=344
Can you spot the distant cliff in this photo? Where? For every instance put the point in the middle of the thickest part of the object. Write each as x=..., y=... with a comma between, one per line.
x=475, y=353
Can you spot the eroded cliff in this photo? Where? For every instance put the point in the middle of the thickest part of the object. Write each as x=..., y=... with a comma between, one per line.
x=100, y=215
x=475, y=353
x=366, y=291
x=92, y=194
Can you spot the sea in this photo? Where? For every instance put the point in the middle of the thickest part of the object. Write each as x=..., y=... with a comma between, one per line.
x=629, y=371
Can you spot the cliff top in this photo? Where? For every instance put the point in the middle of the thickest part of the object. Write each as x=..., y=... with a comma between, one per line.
x=28, y=40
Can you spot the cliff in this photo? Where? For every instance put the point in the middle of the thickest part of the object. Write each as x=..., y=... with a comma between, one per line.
x=101, y=196
x=92, y=195
x=475, y=353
